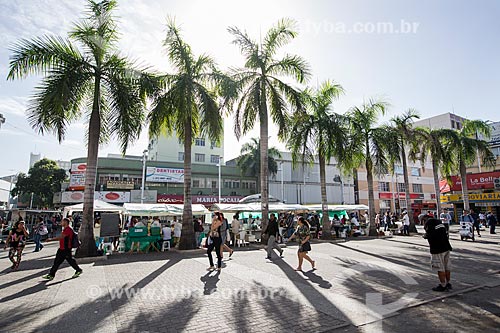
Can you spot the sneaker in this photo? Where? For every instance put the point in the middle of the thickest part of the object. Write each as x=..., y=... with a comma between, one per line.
x=439, y=288
x=219, y=269
x=48, y=277
x=281, y=255
x=211, y=268
x=77, y=274
x=268, y=258
x=448, y=286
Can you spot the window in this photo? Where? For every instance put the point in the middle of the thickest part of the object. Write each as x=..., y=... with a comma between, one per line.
x=401, y=187
x=214, y=158
x=196, y=183
x=419, y=202
x=453, y=124
x=383, y=187
x=402, y=204
x=227, y=184
x=458, y=125
x=415, y=172
x=214, y=184
x=199, y=182
x=199, y=157
x=253, y=185
x=385, y=204
x=417, y=188
x=398, y=170
x=236, y=184
x=199, y=142
x=181, y=156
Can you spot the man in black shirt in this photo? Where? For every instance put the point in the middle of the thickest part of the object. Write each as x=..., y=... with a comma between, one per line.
x=440, y=249
x=272, y=230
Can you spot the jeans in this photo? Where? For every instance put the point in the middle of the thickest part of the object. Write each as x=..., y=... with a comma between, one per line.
x=492, y=228
x=38, y=244
x=62, y=255
x=476, y=226
x=216, y=243
x=197, y=236
x=337, y=231
x=406, y=230
x=271, y=244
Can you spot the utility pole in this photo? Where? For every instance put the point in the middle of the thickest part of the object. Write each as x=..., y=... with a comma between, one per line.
x=144, y=156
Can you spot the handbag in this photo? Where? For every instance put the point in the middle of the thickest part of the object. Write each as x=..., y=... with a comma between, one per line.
x=306, y=247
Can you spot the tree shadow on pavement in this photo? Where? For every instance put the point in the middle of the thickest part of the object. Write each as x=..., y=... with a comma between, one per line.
x=19, y=318
x=41, y=286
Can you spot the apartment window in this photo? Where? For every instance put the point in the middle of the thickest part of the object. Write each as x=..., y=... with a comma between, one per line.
x=196, y=183
x=199, y=157
x=253, y=185
x=415, y=172
x=402, y=204
x=401, y=187
x=214, y=158
x=214, y=184
x=453, y=124
x=227, y=184
x=385, y=204
x=180, y=156
x=236, y=184
x=383, y=187
x=458, y=126
x=417, y=188
x=199, y=142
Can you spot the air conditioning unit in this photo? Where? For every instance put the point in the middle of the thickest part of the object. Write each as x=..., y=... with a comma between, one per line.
x=496, y=182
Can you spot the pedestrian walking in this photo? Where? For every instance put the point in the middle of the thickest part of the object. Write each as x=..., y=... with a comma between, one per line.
x=303, y=233
x=272, y=231
x=406, y=224
x=336, y=225
x=492, y=222
x=64, y=251
x=440, y=249
x=214, y=241
x=445, y=218
x=224, y=230
x=16, y=240
x=38, y=231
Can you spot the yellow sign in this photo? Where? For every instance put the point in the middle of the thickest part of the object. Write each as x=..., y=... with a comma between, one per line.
x=472, y=197
x=119, y=184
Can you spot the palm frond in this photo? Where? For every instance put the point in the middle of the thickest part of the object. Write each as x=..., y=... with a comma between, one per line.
x=278, y=36
x=292, y=66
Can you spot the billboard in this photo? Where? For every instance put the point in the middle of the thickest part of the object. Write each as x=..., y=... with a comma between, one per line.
x=72, y=197
x=77, y=177
x=206, y=200
x=113, y=197
x=476, y=181
x=164, y=175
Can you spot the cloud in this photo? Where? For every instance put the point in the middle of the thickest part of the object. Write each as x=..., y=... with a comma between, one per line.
x=15, y=106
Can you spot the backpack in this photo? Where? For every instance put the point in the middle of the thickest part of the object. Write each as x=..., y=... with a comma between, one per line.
x=75, y=242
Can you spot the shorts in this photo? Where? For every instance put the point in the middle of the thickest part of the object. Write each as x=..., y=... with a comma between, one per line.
x=441, y=262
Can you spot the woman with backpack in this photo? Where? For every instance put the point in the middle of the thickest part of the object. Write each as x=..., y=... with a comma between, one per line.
x=214, y=241
x=66, y=243
x=17, y=240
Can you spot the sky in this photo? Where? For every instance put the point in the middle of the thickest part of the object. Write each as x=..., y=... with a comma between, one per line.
x=434, y=56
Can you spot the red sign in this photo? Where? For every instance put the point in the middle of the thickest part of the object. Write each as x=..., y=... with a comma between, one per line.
x=476, y=181
x=206, y=200
x=390, y=195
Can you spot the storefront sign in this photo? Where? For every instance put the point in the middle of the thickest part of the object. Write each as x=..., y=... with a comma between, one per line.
x=390, y=195
x=114, y=197
x=72, y=197
x=476, y=181
x=206, y=200
x=78, y=167
x=77, y=176
x=119, y=185
x=472, y=197
x=149, y=196
x=164, y=175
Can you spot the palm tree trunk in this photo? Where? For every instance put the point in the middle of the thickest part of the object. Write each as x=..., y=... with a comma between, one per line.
x=324, y=200
x=86, y=231
x=436, y=184
x=371, y=197
x=413, y=228
x=465, y=188
x=264, y=165
x=187, y=241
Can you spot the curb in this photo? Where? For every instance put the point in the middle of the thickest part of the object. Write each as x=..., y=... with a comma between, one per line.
x=88, y=260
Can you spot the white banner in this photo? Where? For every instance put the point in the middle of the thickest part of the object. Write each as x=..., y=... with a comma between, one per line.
x=111, y=196
x=72, y=197
x=149, y=196
x=78, y=167
x=164, y=175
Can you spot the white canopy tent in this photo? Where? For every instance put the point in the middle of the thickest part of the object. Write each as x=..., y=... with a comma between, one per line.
x=162, y=209
x=318, y=207
x=99, y=206
x=256, y=207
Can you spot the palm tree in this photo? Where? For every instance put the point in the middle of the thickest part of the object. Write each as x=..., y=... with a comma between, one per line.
x=262, y=92
x=430, y=142
x=403, y=127
x=188, y=106
x=94, y=82
x=249, y=160
x=465, y=147
x=319, y=131
x=376, y=147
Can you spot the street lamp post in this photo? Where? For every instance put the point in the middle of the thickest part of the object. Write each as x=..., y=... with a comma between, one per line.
x=220, y=185
x=144, y=155
x=282, y=187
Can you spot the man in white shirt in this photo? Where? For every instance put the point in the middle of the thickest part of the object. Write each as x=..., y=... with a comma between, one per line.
x=445, y=218
x=406, y=224
x=166, y=233
x=156, y=222
x=177, y=231
x=235, y=228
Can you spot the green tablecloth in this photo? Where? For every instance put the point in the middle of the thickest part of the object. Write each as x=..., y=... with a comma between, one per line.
x=144, y=240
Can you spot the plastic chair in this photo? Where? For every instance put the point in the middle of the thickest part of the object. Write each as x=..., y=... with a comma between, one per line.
x=165, y=245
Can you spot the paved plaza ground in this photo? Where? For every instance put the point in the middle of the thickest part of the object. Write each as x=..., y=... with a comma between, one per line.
x=362, y=285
